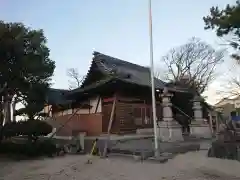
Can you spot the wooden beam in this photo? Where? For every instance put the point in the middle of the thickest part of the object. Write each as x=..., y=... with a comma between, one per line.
x=108, y=99
x=112, y=115
x=110, y=126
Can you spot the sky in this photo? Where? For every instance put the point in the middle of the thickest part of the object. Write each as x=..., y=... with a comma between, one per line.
x=119, y=28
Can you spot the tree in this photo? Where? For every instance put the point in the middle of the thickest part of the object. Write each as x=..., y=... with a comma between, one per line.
x=33, y=101
x=226, y=22
x=24, y=63
x=75, y=78
x=192, y=64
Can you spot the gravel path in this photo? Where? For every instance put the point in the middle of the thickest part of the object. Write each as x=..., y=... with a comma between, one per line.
x=190, y=166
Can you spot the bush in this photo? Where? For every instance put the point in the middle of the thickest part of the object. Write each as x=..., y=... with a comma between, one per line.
x=27, y=128
x=225, y=150
x=29, y=149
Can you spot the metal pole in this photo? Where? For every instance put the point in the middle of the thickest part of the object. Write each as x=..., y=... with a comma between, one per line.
x=152, y=82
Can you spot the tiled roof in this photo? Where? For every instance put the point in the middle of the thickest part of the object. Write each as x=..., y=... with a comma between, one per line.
x=93, y=85
x=124, y=70
x=113, y=69
x=57, y=96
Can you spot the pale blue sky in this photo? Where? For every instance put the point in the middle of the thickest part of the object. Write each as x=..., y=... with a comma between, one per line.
x=116, y=27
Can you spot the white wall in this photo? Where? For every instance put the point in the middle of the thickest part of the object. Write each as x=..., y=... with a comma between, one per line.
x=81, y=111
x=92, y=101
x=47, y=109
x=67, y=111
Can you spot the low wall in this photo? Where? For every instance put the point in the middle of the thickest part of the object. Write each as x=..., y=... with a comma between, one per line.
x=89, y=123
x=145, y=131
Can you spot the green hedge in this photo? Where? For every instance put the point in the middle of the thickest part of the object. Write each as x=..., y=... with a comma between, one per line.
x=29, y=149
x=26, y=128
x=224, y=150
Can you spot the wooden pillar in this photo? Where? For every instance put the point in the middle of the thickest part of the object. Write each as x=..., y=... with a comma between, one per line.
x=210, y=121
x=13, y=110
x=217, y=122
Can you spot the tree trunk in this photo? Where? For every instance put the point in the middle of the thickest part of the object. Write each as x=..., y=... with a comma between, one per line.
x=13, y=110
x=2, y=90
x=7, y=108
x=1, y=118
x=1, y=111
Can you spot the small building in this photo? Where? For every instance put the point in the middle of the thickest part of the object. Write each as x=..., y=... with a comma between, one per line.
x=228, y=107
x=113, y=81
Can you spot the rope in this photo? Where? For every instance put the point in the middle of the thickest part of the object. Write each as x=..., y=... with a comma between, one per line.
x=182, y=112
x=189, y=118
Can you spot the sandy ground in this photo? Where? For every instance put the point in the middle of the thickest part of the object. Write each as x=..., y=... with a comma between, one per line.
x=190, y=166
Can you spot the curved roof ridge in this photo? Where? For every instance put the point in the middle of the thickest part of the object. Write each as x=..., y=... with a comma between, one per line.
x=118, y=61
x=111, y=66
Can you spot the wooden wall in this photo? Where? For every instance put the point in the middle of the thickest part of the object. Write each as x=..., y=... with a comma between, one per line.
x=130, y=114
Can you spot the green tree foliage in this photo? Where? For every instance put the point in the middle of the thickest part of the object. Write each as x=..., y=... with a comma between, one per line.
x=226, y=22
x=33, y=101
x=25, y=66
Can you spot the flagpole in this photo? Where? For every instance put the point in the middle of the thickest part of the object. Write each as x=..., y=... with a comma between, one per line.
x=152, y=82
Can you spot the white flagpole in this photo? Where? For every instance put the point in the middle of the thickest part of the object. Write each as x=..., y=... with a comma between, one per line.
x=152, y=82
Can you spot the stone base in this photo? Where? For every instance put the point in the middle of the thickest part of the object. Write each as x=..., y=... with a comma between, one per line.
x=200, y=130
x=145, y=131
x=169, y=131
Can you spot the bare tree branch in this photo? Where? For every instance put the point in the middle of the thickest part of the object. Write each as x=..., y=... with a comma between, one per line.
x=75, y=79
x=230, y=81
x=159, y=73
x=195, y=62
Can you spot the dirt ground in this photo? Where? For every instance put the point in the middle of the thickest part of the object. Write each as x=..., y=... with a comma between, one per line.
x=190, y=166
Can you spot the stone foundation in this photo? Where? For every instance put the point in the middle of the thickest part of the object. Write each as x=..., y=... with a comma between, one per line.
x=169, y=131
x=144, y=131
x=200, y=130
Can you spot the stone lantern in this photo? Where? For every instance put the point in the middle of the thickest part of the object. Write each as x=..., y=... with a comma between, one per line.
x=169, y=130
x=197, y=108
x=167, y=105
x=198, y=127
